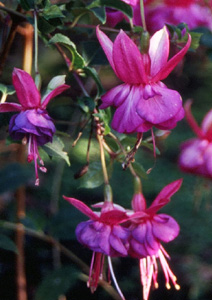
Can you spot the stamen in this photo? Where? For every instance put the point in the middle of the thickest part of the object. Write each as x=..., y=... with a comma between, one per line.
x=114, y=278
x=37, y=182
x=43, y=169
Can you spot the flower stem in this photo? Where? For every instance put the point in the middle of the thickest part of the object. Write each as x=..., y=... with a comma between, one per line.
x=143, y=15
x=37, y=74
x=103, y=162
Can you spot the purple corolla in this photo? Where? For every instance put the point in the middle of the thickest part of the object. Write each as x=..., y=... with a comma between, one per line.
x=142, y=101
x=32, y=121
x=196, y=153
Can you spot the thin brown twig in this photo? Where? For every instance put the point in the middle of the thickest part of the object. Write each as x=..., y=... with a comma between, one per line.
x=68, y=253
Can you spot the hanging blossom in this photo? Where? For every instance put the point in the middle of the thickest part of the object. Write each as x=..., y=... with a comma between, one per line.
x=196, y=153
x=147, y=231
x=102, y=234
x=32, y=122
x=192, y=12
x=143, y=101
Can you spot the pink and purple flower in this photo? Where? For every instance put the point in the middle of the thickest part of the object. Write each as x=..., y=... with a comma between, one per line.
x=147, y=231
x=196, y=153
x=142, y=101
x=32, y=121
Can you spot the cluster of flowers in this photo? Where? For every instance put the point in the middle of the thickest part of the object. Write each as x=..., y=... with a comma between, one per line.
x=194, y=13
x=117, y=232
x=141, y=102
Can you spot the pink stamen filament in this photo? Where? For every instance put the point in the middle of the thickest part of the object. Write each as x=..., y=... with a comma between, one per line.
x=33, y=154
x=149, y=272
x=96, y=270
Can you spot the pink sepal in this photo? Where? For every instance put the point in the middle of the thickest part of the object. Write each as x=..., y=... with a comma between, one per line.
x=83, y=208
x=53, y=94
x=172, y=63
x=26, y=90
x=164, y=196
x=9, y=107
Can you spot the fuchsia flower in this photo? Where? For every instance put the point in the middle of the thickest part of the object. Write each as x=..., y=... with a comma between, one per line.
x=102, y=234
x=32, y=121
x=196, y=153
x=148, y=230
x=175, y=12
x=143, y=101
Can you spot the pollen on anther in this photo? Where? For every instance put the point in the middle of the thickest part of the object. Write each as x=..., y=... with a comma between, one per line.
x=177, y=287
x=168, y=286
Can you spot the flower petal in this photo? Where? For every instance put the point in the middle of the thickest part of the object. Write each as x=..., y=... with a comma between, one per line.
x=207, y=125
x=162, y=107
x=158, y=50
x=128, y=60
x=172, y=63
x=164, y=196
x=26, y=90
x=9, y=107
x=53, y=94
x=165, y=228
x=171, y=123
x=116, y=96
x=126, y=118
x=107, y=45
x=82, y=207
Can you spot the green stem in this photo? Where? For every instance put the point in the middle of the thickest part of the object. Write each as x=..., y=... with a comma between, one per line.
x=143, y=15
x=37, y=74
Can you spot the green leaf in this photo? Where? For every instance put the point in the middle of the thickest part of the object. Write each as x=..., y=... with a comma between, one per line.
x=87, y=104
x=195, y=40
x=27, y=4
x=7, y=244
x=105, y=116
x=56, y=149
x=56, y=283
x=150, y=147
x=118, y=4
x=94, y=177
x=100, y=13
x=54, y=83
x=14, y=174
x=77, y=60
x=52, y=12
x=139, y=169
x=92, y=72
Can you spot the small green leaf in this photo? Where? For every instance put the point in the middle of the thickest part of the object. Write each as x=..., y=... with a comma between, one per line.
x=52, y=12
x=195, y=40
x=105, y=116
x=77, y=60
x=56, y=149
x=150, y=147
x=54, y=83
x=94, y=177
x=87, y=104
x=118, y=4
x=56, y=283
x=7, y=244
x=92, y=72
x=27, y=4
x=100, y=13
x=139, y=169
